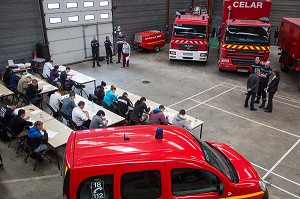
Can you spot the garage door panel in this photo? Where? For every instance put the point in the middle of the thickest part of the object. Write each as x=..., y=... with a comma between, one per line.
x=69, y=57
x=66, y=33
x=66, y=45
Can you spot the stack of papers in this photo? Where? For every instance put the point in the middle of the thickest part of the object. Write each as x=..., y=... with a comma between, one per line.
x=51, y=134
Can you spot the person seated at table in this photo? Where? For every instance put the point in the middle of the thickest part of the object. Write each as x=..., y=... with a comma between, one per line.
x=181, y=121
x=48, y=66
x=6, y=76
x=109, y=98
x=36, y=140
x=98, y=120
x=157, y=116
x=65, y=79
x=99, y=93
x=124, y=104
x=23, y=84
x=14, y=80
x=80, y=116
x=33, y=93
x=6, y=115
x=139, y=108
x=54, y=76
x=19, y=123
x=55, y=101
x=68, y=105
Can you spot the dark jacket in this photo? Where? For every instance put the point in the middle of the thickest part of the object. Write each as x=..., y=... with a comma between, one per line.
x=139, y=108
x=158, y=117
x=6, y=77
x=123, y=105
x=36, y=138
x=32, y=91
x=63, y=77
x=255, y=66
x=273, y=86
x=13, y=82
x=18, y=124
x=54, y=74
x=95, y=45
x=107, y=44
x=99, y=92
x=120, y=38
x=267, y=72
x=253, y=83
x=6, y=115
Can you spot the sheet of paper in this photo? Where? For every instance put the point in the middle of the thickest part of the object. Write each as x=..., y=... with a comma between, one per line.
x=51, y=134
x=36, y=112
x=47, y=87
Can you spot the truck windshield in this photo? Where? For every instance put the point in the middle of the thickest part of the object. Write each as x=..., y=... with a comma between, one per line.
x=190, y=31
x=218, y=160
x=247, y=35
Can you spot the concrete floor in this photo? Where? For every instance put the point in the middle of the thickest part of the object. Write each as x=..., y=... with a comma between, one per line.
x=269, y=141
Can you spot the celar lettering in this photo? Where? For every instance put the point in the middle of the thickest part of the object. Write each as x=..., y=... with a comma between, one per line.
x=243, y=4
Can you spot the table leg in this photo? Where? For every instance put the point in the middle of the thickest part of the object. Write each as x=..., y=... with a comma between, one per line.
x=57, y=159
x=95, y=84
x=201, y=131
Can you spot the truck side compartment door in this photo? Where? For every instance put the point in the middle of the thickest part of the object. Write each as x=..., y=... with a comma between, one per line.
x=140, y=181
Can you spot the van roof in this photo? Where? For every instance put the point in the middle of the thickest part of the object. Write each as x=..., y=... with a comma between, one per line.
x=102, y=146
x=192, y=19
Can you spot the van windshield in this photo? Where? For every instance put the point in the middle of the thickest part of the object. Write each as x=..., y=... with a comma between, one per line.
x=190, y=31
x=218, y=160
x=248, y=35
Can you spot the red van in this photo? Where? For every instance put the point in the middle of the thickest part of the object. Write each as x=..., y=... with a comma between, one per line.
x=155, y=162
x=151, y=40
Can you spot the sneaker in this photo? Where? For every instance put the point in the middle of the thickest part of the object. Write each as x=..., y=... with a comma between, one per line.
x=256, y=101
x=98, y=64
x=253, y=109
x=107, y=62
x=93, y=66
x=111, y=62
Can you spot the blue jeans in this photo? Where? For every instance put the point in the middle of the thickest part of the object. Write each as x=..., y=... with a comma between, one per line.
x=252, y=94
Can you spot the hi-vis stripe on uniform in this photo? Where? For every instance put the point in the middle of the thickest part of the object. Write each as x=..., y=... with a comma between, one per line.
x=245, y=196
x=245, y=47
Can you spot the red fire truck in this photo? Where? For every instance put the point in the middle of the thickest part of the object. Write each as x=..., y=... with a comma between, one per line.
x=245, y=34
x=289, y=41
x=190, y=36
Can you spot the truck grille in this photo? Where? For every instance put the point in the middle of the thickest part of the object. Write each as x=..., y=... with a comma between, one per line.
x=242, y=62
x=191, y=47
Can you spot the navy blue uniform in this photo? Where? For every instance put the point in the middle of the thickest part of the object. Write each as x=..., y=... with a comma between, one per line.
x=120, y=41
x=95, y=52
x=263, y=83
x=108, y=50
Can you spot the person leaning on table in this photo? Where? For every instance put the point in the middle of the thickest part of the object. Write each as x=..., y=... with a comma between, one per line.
x=139, y=108
x=19, y=124
x=23, y=84
x=33, y=93
x=98, y=120
x=110, y=97
x=181, y=121
x=157, y=116
x=36, y=139
x=80, y=116
x=68, y=105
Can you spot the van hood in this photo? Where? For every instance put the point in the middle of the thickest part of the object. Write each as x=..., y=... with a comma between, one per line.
x=243, y=167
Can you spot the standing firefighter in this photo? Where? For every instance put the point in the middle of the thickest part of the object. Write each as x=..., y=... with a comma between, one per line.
x=95, y=51
x=120, y=42
x=108, y=49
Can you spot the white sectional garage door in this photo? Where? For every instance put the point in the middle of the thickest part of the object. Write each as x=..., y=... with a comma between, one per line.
x=71, y=25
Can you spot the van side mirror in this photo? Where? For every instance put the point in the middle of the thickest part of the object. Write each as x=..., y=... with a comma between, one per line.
x=220, y=189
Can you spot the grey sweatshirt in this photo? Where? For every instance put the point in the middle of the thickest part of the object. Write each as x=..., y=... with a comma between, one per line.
x=181, y=122
x=97, y=122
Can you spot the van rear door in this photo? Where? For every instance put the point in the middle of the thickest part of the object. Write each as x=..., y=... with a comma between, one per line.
x=140, y=181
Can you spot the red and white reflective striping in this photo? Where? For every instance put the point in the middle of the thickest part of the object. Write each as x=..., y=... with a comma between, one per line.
x=188, y=42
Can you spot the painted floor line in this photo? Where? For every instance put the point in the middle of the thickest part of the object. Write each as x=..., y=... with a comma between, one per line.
x=285, y=191
x=280, y=160
x=28, y=179
x=285, y=132
x=284, y=178
x=196, y=94
x=273, y=99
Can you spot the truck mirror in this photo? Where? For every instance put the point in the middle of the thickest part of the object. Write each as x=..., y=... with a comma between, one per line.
x=276, y=34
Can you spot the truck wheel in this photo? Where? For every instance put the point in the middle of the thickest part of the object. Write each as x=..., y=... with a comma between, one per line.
x=156, y=49
x=283, y=63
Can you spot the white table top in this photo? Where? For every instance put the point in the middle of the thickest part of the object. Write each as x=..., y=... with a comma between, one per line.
x=93, y=108
x=77, y=76
x=42, y=84
x=5, y=91
x=168, y=111
x=34, y=113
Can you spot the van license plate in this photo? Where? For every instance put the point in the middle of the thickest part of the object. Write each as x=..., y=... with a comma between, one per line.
x=243, y=70
x=187, y=54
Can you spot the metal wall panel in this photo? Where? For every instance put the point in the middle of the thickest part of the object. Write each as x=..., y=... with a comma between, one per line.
x=216, y=19
x=139, y=15
x=176, y=5
x=21, y=29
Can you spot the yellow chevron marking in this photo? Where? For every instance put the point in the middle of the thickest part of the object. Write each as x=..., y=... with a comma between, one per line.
x=251, y=47
x=263, y=48
x=246, y=196
x=228, y=46
x=268, y=48
x=234, y=46
x=246, y=48
x=240, y=47
x=258, y=48
x=223, y=45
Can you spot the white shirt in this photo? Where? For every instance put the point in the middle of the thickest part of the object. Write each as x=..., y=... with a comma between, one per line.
x=78, y=116
x=47, y=69
x=55, y=100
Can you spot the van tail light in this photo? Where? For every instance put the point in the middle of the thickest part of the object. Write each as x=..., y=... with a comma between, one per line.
x=66, y=189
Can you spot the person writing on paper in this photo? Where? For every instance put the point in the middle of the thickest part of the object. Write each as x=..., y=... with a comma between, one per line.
x=23, y=84
x=68, y=105
x=37, y=140
x=65, y=79
x=98, y=120
x=124, y=104
x=19, y=123
x=14, y=80
x=139, y=108
x=55, y=101
x=157, y=116
x=252, y=89
x=33, y=93
x=48, y=66
x=181, y=121
x=126, y=54
x=110, y=97
x=80, y=116
x=54, y=76
x=6, y=115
